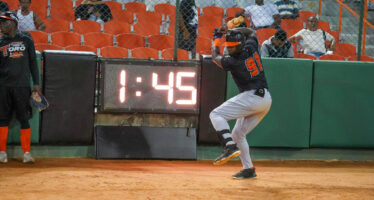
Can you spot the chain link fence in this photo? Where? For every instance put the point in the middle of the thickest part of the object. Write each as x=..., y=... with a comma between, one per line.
x=182, y=29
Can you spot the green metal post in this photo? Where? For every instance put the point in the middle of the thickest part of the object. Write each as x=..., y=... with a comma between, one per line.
x=361, y=24
x=176, y=30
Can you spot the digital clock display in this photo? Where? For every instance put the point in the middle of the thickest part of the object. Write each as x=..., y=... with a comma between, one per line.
x=152, y=87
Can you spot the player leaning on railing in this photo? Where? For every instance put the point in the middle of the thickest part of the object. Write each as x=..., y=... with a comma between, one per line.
x=250, y=106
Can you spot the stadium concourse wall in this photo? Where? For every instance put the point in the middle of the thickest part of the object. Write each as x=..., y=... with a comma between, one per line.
x=317, y=106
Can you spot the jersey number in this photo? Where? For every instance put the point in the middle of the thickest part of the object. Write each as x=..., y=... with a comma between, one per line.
x=254, y=65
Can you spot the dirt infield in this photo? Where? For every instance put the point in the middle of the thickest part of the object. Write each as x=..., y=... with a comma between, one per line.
x=73, y=178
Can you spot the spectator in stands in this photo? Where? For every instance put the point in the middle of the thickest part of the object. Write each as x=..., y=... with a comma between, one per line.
x=3, y=7
x=277, y=46
x=28, y=20
x=370, y=6
x=262, y=15
x=287, y=9
x=95, y=10
x=312, y=40
x=188, y=21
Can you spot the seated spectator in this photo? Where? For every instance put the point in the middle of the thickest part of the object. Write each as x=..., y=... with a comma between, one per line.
x=312, y=40
x=370, y=6
x=262, y=15
x=28, y=20
x=3, y=7
x=287, y=9
x=277, y=46
x=95, y=10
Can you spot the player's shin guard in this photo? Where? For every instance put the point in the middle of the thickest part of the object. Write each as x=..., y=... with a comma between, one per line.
x=25, y=139
x=224, y=137
x=3, y=137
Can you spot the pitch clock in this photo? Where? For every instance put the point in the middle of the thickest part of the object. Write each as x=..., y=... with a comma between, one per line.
x=149, y=86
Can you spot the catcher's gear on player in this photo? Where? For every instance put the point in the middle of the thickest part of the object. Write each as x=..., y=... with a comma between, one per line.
x=38, y=101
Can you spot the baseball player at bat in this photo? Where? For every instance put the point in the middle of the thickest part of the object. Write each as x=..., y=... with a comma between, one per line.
x=250, y=106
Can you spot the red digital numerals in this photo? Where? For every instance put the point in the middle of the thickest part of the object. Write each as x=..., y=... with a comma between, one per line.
x=167, y=87
x=254, y=65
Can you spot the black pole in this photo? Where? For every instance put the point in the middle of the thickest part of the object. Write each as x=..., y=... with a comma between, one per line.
x=176, y=30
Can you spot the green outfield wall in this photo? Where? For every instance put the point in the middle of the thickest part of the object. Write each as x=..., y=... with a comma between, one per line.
x=343, y=105
x=14, y=126
x=288, y=122
x=316, y=104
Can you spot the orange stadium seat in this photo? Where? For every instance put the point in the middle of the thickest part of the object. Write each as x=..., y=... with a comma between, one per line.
x=98, y=40
x=362, y=58
x=147, y=17
x=264, y=34
x=61, y=3
x=114, y=6
x=306, y=56
x=345, y=49
x=206, y=31
x=80, y=48
x=117, y=27
x=291, y=24
x=208, y=20
x=203, y=44
x=130, y=41
x=305, y=14
x=114, y=52
x=324, y=25
x=64, y=39
x=62, y=13
x=77, y=3
x=146, y=29
x=331, y=57
x=62, y=9
x=55, y=25
x=144, y=52
x=213, y=11
x=291, y=32
x=12, y=4
x=334, y=34
x=39, y=36
x=168, y=54
x=86, y=26
x=165, y=8
x=45, y=46
x=171, y=30
x=123, y=16
x=135, y=7
x=40, y=7
x=231, y=12
x=160, y=42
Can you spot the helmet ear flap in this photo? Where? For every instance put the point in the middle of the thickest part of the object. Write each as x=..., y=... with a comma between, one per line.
x=241, y=38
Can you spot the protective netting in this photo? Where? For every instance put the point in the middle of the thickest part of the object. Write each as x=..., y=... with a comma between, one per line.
x=165, y=29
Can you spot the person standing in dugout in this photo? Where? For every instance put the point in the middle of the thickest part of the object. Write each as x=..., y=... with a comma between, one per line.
x=17, y=62
x=250, y=106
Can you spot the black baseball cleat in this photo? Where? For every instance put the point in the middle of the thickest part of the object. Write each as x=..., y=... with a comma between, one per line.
x=245, y=173
x=230, y=151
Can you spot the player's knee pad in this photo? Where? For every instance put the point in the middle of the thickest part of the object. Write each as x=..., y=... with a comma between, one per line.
x=24, y=124
x=4, y=123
